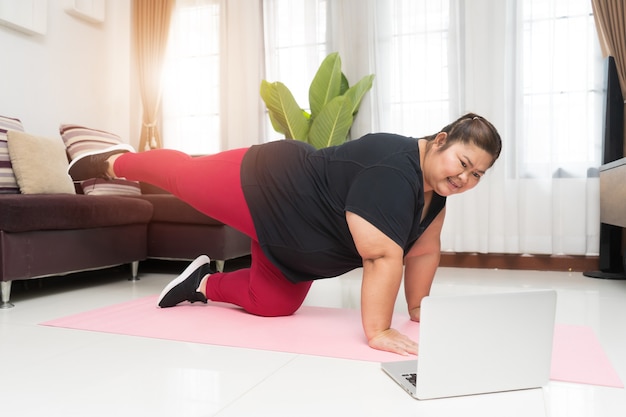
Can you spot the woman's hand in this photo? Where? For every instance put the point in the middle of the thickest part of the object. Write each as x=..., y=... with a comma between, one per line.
x=392, y=340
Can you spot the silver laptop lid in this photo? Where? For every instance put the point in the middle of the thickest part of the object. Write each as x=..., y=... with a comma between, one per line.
x=485, y=343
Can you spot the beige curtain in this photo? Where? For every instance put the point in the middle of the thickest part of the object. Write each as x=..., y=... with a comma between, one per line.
x=151, y=22
x=610, y=17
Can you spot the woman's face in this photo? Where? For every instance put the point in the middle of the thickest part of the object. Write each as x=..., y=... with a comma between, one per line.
x=455, y=169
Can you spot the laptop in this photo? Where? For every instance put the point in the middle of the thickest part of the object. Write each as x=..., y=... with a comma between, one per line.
x=477, y=344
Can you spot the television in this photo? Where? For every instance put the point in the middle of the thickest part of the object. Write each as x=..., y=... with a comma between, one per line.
x=611, y=256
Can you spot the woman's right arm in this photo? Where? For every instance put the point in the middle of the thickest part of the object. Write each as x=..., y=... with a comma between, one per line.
x=382, y=276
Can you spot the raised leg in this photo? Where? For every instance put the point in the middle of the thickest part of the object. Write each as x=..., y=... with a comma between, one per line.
x=6, y=294
x=195, y=180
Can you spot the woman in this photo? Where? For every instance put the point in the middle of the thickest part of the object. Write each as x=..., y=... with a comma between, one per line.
x=377, y=202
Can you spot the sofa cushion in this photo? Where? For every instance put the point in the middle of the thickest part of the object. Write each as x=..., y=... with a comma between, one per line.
x=21, y=213
x=39, y=163
x=170, y=209
x=117, y=186
x=81, y=139
x=8, y=183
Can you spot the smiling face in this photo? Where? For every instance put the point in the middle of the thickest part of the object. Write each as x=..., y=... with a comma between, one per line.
x=455, y=168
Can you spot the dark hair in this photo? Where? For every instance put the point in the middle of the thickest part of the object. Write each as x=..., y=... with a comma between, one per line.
x=473, y=129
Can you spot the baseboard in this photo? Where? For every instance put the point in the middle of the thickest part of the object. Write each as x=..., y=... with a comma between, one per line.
x=517, y=261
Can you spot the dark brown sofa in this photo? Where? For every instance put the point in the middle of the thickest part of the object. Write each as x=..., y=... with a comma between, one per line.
x=56, y=234
x=177, y=231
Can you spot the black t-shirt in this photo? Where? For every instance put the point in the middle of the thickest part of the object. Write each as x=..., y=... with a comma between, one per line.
x=298, y=197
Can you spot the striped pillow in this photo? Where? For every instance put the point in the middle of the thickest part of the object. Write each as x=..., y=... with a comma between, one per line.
x=8, y=183
x=80, y=139
x=118, y=186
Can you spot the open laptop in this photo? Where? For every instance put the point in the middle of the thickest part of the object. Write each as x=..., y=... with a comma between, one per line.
x=476, y=344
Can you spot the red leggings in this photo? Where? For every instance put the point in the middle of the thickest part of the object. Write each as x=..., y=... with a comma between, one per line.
x=212, y=185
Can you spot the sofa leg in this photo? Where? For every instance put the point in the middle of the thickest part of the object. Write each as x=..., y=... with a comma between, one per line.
x=219, y=265
x=5, y=287
x=134, y=269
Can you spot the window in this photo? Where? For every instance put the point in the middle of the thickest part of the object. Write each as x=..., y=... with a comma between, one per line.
x=191, y=95
x=414, y=46
x=562, y=82
x=412, y=70
x=295, y=45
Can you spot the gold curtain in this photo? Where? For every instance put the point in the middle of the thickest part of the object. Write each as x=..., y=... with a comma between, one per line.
x=151, y=23
x=610, y=17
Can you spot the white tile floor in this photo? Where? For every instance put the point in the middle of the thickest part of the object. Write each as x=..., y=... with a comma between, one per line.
x=59, y=372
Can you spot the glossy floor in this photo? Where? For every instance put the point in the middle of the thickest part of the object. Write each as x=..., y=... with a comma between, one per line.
x=60, y=372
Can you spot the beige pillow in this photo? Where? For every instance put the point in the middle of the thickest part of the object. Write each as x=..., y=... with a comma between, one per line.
x=40, y=164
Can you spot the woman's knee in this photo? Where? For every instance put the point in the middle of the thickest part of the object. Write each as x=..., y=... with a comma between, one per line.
x=274, y=309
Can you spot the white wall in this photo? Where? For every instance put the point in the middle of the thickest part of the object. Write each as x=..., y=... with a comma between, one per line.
x=78, y=72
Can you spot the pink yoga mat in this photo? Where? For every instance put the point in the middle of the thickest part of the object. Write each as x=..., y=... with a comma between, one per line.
x=577, y=355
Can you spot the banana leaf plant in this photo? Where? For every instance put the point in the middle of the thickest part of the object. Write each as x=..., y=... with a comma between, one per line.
x=333, y=103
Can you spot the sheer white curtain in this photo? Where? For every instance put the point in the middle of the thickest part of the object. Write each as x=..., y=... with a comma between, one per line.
x=243, y=66
x=405, y=43
x=479, y=221
x=214, y=67
x=296, y=42
x=191, y=114
x=534, y=69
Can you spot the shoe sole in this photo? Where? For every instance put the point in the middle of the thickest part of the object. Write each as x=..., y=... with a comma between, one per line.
x=120, y=147
x=197, y=263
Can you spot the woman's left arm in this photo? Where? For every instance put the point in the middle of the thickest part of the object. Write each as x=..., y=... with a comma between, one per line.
x=420, y=265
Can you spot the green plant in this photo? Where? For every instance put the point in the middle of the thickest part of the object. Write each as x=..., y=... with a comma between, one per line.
x=333, y=104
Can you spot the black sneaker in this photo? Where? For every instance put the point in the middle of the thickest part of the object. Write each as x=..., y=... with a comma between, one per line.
x=94, y=164
x=185, y=286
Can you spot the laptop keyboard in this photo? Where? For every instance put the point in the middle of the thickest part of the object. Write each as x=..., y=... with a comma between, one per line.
x=412, y=378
